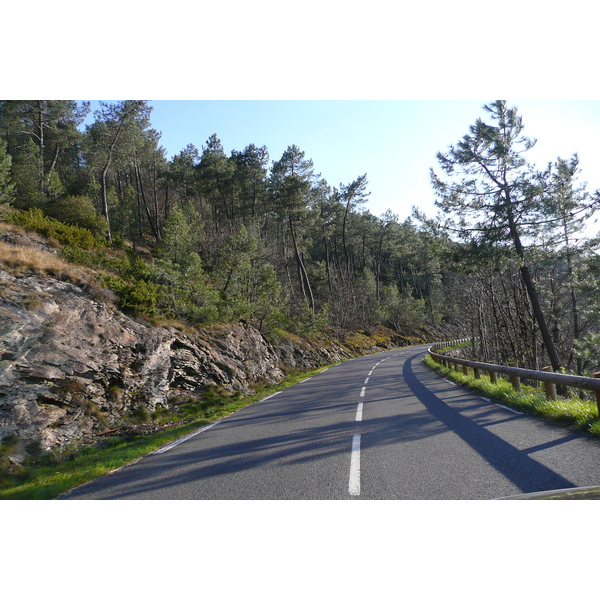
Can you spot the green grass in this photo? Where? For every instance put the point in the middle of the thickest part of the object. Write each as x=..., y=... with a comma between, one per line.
x=52, y=475
x=572, y=412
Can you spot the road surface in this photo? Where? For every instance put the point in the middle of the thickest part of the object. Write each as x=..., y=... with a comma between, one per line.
x=376, y=427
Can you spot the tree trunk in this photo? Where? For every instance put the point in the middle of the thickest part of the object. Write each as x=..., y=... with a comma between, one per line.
x=328, y=264
x=539, y=317
x=302, y=274
x=105, y=198
x=53, y=165
x=146, y=207
x=344, y=242
x=41, y=145
x=531, y=290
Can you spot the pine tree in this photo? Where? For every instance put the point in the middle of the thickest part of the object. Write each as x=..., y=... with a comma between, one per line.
x=291, y=182
x=566, y=208
x=492, y=196
x=113, y=129
x=7, y=188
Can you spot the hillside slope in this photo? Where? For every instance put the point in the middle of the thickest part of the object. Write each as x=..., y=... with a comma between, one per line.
x=72, y=364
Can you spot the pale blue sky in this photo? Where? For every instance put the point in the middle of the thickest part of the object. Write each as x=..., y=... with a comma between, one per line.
x=393, y=141
x=273, y=73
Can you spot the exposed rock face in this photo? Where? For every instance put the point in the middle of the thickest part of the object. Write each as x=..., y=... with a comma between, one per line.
x=71, y=364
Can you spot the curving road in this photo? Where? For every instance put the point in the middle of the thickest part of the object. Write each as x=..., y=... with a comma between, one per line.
x=377, y=427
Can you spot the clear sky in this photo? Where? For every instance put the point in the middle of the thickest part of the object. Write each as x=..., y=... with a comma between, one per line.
x=393, y=141
x=362, y=88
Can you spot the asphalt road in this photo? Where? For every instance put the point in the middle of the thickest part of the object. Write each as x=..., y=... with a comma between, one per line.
x=377, y=427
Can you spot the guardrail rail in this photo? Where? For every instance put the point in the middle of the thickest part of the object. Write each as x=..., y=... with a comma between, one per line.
x=516, y=374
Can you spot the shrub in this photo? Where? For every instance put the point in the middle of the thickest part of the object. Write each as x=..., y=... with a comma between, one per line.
x=70, y=235
x=137, y=296
x=78, y=211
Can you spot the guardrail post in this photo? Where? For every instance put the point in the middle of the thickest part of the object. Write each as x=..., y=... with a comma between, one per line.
x=546, y=376
x=550, y=387
x=516, y=382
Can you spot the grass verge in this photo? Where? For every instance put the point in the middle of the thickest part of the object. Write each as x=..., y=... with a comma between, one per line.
x=578, y=414
x=54, y=474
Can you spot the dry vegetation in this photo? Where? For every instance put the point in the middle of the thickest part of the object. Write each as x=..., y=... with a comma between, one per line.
x=21, y=259
x=32, y=253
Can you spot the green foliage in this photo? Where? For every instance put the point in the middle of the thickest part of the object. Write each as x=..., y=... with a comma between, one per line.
x=575, y=412
x=178, y=269
x=305, y=321
x=26, y=176
x=93, y=259
x=78, y=211
x=248, y=283
x=226, y=238
x=137, y=296
x=586, y=349
x=7, y=188
x=402, y=312
x=181, y=239
x=70, y=235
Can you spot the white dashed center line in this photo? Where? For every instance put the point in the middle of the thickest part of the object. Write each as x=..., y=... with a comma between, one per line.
x=359, y=411
x=354, y=484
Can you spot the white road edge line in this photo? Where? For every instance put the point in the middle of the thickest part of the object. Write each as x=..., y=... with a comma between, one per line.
x=512, y=410
x=359, y=411
x=502, y=406
x=275, y=394
x=354, y=483
x=185, y=438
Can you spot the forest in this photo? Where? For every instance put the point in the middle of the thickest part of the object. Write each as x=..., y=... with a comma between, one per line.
x=210, y=238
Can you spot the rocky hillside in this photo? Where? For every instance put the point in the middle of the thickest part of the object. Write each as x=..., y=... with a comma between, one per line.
x=72, y=364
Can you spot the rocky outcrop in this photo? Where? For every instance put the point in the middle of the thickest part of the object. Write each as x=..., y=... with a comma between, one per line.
x=71, y=364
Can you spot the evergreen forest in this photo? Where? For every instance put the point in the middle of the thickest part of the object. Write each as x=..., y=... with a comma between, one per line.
x=214, y=238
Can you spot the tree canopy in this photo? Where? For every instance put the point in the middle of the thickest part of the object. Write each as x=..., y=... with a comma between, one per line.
x=209, y=236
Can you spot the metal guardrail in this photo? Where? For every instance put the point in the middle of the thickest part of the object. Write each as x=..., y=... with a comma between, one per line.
x=516, y=374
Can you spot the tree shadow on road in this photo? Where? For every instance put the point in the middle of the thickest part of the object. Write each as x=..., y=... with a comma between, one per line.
x=306, y=430
x=525, y=472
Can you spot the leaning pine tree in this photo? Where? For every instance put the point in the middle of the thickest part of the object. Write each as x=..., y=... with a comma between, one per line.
x=492, y=195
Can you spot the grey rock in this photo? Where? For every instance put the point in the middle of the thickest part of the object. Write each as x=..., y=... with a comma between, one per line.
x=72, y=365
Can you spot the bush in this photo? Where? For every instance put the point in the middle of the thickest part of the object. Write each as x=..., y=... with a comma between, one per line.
x=136, y=297
x=78, y=211
x=70, y=235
